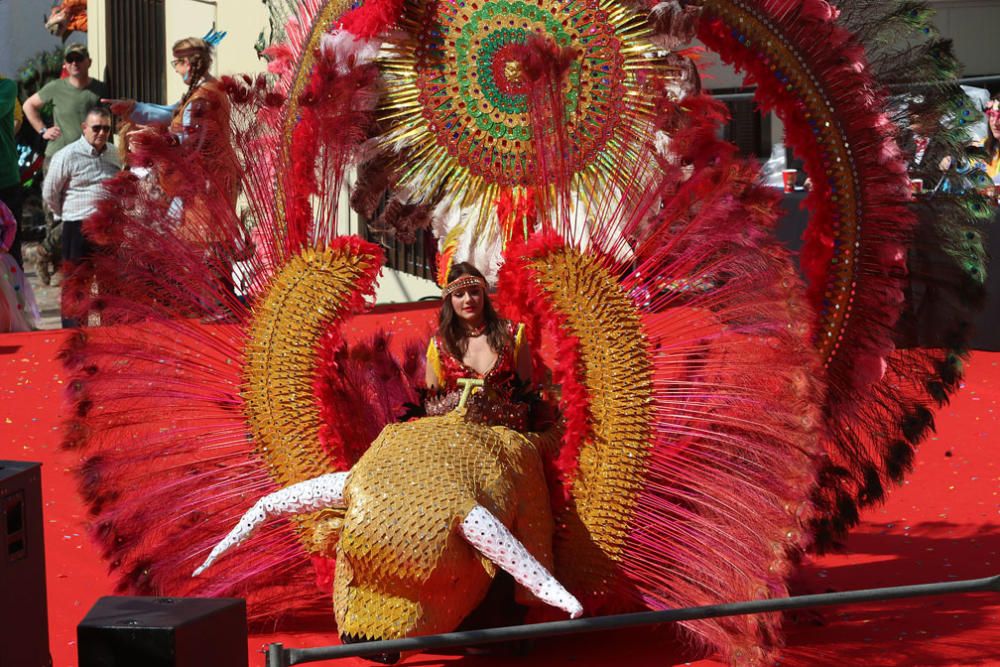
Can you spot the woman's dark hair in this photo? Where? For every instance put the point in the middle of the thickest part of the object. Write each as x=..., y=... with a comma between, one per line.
x=450, y=324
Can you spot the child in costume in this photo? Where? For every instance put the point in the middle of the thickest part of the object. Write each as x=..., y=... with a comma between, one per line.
x=18, y=310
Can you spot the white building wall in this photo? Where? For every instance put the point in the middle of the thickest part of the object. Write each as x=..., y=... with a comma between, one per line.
x=242, y=20
x=96, y=19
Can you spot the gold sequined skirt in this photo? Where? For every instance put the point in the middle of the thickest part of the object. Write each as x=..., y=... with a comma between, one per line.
x=402, y=566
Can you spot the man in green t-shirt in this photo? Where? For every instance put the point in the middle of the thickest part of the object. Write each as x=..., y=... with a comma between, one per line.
x=71, y=98
x=10, y=174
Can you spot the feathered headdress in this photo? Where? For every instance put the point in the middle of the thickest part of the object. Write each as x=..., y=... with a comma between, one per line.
x=213, y=36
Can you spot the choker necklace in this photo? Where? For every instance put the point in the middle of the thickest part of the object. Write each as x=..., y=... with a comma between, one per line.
x=475, y=332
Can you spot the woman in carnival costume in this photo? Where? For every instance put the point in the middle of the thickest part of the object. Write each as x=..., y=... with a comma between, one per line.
x=716, y=416
x=980, y=169
x=472, y=341
x=201, y=118
x=989, y=160
x=490, y=486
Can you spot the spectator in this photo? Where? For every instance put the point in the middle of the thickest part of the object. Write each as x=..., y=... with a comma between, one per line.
x=73, y=186
x=18, y=310
x=10, y=174
x=71, y=98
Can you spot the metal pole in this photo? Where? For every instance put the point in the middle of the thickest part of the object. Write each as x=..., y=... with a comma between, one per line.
x=300, y=656
x=277, y=656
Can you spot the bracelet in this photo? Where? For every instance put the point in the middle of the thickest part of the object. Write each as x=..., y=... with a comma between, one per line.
x=43, y=130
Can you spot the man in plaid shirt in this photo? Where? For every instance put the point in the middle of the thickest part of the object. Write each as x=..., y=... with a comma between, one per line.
x=74, y=185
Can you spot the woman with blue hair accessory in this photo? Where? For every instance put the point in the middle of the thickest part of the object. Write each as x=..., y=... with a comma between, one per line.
x=200, y=123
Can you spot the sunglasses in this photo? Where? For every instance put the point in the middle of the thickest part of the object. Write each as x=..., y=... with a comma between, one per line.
x=100, y=128
x=75, y=58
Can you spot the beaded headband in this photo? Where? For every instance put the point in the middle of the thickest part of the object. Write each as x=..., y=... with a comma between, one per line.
x=462, y=283
x=211, y=38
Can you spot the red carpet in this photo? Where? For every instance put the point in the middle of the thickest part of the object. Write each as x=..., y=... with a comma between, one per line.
x=942, y=525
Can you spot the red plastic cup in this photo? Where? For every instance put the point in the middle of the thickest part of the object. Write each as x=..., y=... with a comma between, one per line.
x=788, y=179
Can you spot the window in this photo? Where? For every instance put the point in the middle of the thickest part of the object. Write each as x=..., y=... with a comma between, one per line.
x=749, y=129
x=136, y=50
x=418, y=258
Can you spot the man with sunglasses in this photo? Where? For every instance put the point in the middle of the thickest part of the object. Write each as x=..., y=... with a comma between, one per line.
x=73, y=185
x=71, y=97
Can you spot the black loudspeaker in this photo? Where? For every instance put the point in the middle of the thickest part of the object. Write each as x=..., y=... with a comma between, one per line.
x=163, y=632
x=24, y=618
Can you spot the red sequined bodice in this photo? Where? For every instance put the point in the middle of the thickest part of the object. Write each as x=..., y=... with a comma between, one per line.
x=497, y=404
x=452, y=368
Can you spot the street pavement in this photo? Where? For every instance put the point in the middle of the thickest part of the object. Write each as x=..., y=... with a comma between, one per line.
x=47, y=296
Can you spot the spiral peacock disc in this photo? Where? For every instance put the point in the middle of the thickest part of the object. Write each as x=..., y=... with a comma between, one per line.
x=459, y=101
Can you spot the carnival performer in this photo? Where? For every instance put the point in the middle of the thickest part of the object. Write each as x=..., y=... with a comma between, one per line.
x=493, y=475
x=473, y=342
x=980, y=168
x=200, y=121
x=991, y=147
x=18, y=310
